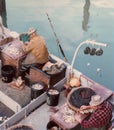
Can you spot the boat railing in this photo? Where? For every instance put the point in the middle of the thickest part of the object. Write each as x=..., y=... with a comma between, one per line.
x=85, y=81
x=25, y=111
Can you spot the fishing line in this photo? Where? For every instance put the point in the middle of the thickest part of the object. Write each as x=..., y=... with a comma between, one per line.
x=57, y=40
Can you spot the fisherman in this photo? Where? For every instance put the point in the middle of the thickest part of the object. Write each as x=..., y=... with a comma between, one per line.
x=35, y=50
x=101, y=114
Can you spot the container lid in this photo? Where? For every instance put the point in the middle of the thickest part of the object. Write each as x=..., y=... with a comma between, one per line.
x=53, y=92
x=37, y=86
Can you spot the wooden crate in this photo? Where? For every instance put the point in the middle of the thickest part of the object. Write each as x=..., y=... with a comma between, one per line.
x=38, y=75
x=10, y=58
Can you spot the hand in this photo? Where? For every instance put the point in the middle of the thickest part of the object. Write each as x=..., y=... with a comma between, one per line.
x=83, y=107
x=26, y=43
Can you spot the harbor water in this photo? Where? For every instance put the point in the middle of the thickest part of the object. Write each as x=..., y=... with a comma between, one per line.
x=74, y=21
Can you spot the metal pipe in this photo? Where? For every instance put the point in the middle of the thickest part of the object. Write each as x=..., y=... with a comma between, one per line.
x=57, y=40
x=78, y=47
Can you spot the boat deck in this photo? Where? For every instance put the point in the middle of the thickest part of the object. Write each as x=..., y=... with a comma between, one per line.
x=5, y=112
x=39, y=118
x=13, y=98
x=22, y=97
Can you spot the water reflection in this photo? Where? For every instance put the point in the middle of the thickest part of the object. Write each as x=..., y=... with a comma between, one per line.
x=86, y=15
x=3, y=12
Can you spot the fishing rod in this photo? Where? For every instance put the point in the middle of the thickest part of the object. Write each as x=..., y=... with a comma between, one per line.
x=57, y=40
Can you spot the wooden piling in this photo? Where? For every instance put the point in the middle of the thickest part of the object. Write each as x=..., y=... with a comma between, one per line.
x=3, y=13
x=2, y=5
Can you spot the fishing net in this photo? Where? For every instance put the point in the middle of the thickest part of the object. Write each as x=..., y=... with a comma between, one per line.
x=79, y=96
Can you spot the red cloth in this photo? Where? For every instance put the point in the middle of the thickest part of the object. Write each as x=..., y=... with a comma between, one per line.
x=100, y=117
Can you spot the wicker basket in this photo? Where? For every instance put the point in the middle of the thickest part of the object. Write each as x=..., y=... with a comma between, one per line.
x=21, y=127
x=78, y=97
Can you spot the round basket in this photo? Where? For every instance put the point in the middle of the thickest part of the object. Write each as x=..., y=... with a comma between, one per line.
x=78, y=97
x=20, y=127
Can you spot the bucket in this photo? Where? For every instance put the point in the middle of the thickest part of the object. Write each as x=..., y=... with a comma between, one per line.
x=52, y=97
x=52, y=126
x=37, y=89
x=7, y=72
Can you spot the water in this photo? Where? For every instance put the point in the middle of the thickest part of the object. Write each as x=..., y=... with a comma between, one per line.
x=73, y=21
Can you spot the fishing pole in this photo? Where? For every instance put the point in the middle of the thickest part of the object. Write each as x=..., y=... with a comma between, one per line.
x=57, y=40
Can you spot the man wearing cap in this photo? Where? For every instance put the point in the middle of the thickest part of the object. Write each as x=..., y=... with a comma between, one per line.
x=36, y=49
x=101, y=114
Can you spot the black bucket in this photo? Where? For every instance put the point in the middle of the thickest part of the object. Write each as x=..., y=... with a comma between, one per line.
x=7, y=72
x=37, y=89
x=52, y=124
x=52, y=97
